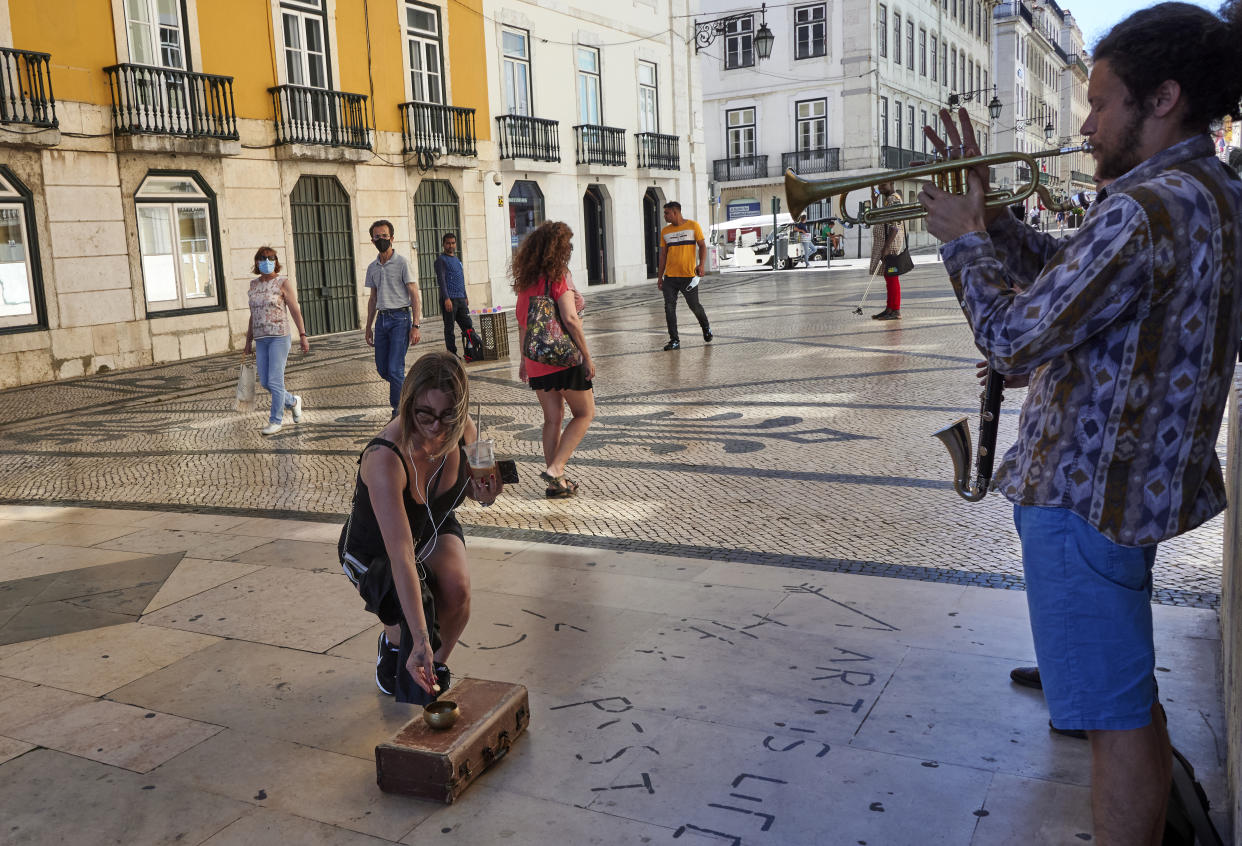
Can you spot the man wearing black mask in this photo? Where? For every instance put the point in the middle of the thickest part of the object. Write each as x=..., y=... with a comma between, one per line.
x=393, y=294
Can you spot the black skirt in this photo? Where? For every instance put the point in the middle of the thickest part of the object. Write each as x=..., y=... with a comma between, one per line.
x=569, y=379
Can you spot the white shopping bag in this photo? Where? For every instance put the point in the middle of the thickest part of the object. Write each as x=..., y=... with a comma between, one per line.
x=245, y=386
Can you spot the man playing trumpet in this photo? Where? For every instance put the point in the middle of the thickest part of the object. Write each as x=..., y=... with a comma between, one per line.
x=1129, y=331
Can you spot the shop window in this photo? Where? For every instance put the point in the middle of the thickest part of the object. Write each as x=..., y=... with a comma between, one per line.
x=21, y=283
x=177, y=226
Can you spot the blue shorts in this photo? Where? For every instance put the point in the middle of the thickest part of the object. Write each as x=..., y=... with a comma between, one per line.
x=1090, y=604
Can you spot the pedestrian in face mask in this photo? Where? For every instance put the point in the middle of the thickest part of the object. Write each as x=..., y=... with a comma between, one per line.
x=271, y=295
x=393, y=295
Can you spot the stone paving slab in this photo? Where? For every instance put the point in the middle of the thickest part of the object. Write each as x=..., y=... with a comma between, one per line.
x=800, y=437
x=673, y=701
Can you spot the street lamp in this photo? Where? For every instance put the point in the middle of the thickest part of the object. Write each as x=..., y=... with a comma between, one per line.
x=994, y=106
x=705, y=32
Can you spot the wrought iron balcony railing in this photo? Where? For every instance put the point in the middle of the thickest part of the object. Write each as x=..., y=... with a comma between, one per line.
x=812, y=161
x=320, y=116
x=523, y=137
x=742, y=167
x=148, y=100
x=1079, y=176
x=656, y=151
x=439, y=130
x=26, y=88
x=601, y=145
x=895, y=157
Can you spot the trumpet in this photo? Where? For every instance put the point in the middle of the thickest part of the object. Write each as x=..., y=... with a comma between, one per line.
x=948, y=174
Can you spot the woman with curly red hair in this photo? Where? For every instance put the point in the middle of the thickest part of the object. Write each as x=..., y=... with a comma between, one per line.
x=541, y=267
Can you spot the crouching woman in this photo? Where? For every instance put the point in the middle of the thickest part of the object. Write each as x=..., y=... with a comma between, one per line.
x=402, y=546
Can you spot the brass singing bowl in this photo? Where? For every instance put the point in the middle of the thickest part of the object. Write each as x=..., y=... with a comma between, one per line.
x=441, y=714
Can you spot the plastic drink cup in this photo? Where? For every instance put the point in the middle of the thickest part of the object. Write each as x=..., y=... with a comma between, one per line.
x=481, y=457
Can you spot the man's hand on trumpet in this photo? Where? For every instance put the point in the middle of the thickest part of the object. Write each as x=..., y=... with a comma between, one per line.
x=951, y=215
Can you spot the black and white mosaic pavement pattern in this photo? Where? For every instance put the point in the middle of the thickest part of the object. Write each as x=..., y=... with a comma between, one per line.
x=801, y=436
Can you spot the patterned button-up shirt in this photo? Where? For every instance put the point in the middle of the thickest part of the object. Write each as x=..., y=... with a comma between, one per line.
x=1130, y=330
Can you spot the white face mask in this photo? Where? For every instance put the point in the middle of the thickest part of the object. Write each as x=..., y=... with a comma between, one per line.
x=267, y=266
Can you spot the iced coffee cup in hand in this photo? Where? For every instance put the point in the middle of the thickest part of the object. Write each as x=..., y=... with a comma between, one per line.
x=482, y=459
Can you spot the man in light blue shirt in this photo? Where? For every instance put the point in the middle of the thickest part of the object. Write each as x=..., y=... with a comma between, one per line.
x=393, y=294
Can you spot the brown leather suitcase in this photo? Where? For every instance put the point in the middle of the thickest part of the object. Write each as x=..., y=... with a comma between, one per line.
x=440, y=764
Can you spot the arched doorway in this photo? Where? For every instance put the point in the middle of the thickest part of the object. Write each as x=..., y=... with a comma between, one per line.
x=653, y=218
x=595, y=227
x=435, y=213
x=323, y=255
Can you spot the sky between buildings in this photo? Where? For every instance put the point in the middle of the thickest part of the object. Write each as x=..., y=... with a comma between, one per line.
x=1096, y=17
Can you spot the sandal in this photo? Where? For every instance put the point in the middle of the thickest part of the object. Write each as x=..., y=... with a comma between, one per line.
x=562, y=489
x=553, y=481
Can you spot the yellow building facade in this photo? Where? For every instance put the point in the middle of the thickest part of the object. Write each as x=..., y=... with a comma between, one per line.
x=148, y=148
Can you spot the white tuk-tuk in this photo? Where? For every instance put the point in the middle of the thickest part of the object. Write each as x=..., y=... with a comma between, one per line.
x=747, y=242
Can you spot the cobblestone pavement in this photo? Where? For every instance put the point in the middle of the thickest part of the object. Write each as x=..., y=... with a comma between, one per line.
x=801, y=437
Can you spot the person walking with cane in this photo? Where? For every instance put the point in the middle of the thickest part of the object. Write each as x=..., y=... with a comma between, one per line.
x=888, y=241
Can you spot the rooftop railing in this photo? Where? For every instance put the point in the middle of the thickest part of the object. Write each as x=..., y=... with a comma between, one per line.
x=307, y=115
x=26, y=88
x=166, y=101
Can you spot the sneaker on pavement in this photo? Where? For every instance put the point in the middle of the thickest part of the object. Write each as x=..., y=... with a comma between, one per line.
x=672, y=345
x=889, y=314
x=882, y=315
x=707, y=334
x=297, y=409
x=386, y=659
x=1027, y=677
x=270, y=429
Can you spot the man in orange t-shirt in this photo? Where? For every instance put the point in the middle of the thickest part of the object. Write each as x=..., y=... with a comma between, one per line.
x=683, y=254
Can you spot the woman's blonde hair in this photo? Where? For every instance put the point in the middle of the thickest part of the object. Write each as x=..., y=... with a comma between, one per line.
x=435, y=371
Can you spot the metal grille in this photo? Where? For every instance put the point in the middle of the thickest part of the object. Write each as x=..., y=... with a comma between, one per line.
x=323, y=255
x=435, y=212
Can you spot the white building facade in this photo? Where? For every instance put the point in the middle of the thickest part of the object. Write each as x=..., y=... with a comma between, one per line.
x=596, y=123
x=1041, y=74
x=848, y=88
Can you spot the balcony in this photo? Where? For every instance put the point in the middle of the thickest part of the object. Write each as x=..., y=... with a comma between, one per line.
x=1079, y=176
x=599, y=145
x=812, y=161
x=321, y=117
x=523, y=137
x=164, y=101
x=895, y=157
x=658, y=152
x=435, y=130
x=26, y=88
x=742, y=167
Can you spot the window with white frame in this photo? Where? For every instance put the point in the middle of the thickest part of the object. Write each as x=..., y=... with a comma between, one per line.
x=923, y=117
x=648, y=98
x=811, y=31
x=20, y=284
x=589, y=109
x=910, y=44
x=922, y=52
x=897, y=113
x=897, y=38
x=740, y=126
x=179, y=260
x=424, y=51
x=910, y=127
x=883, y=27
x=934, y=60
x=515, y=54
x=740, y=43
x=303, y=23
x=156, y=35
x=884, y=121
x=811, y=128
x=944, y=64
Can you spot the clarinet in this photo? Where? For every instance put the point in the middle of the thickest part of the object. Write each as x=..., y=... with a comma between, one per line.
x=956, y=438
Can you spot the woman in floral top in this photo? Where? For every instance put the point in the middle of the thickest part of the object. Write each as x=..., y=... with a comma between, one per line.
x=270, y=295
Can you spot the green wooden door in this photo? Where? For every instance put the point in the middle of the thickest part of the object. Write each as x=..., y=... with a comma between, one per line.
x=435, y=212
x=323, y=255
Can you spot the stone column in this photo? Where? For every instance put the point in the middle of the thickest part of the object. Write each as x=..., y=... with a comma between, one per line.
x=1231, y=611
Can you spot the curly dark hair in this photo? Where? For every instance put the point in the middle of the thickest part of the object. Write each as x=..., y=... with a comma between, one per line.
x=543, y=255
x=1184, y=43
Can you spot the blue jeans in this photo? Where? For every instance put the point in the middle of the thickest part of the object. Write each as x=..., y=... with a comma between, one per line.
x=392, y=339
x=270, y=355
